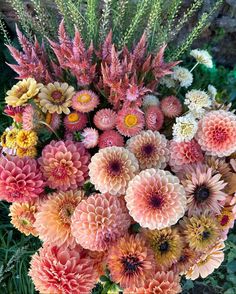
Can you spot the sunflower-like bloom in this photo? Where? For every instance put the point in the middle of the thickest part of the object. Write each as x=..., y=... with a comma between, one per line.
x=22, y=92
x=26, y=139
x=112, y=168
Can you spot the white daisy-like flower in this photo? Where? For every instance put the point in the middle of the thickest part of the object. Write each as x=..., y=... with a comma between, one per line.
x=212, y=91
x=150, y=100
x=202, y=57
x=185, y=128
x=167, y=81
x=183, y=76
x=197, y=101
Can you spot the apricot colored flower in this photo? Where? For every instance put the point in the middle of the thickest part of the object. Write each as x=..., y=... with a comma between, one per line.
x=85, y=101
x=75, y=121
x=154, y=118
x=105, y=119
x=90, y=138
x=171, y=106
x=150, y=148
x=26, y=139
x=112, y=168
x=99, y=221
x=64, y=164
x=155, y=199
x=110, y=138
x=217, y=133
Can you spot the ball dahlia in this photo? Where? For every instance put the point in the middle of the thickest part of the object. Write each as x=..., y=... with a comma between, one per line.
x=20, y=179
x=85, y=101
x=75, y=121
x=90, y=138
x=112, y=168
x=150, y=148
x=171, y=106
x=99, y=221
x=154, y=118
x=62, y=270
x=64, y=164
x=105, y=119
x=217, y=133
x=110, y=138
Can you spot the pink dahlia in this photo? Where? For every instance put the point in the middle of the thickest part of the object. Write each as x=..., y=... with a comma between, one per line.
x=130, y=121
x=182, y=153
x=75, y=121
x=217, y=133
x=150, y=148
x=110, y=138
x=154, y=118
x=85, y=101
x=20, y=179
x=90, y=138
x=62, y=270
x=99, y=221
x=105, y=119
x=171, y=106
x=112, y=168
x=155, y=199
x=64, y=164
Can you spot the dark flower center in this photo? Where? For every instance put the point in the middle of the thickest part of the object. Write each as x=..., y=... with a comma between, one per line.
x=164, y=246
x=201, y=193
x=148, y=149
x=131, y=264
x=224, y=220
x=205, y=235
x=156, y=200
x=183, y=258
x=115, y=167
x=220, y=134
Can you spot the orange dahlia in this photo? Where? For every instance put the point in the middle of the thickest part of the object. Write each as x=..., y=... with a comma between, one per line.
x=53, y=221
x=112, y=168
x=155, y=199
x=150, y=148
x=99, y=221
x=131, y=262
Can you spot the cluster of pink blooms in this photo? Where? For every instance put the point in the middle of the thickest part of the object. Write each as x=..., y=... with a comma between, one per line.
x=125, y=196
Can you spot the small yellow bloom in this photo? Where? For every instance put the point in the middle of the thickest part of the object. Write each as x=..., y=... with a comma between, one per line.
x=11, y=138
x=28, y=152
x=3, y=139
x=131, y=120
x=26, y=139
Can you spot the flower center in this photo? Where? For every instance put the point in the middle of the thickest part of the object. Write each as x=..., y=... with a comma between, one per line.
x=115, y=167
x=84, y=98
x=131, y=120
x=219, y=134
x=56, y=95
x=66, y=212
x=164, y=246
x=60, y=171
x=186, y=128
x=205, y=235
x=131, y=264
x=73, y=117
x=156, y=200
x=21, y=90
x=201, y=193
x=25, y=222
x=224, y=221
x=48, y=118
x=148, y=149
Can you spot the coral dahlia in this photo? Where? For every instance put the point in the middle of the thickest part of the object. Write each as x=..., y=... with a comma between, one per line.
x=85, y=101
x=110, y=138
x=105, y=119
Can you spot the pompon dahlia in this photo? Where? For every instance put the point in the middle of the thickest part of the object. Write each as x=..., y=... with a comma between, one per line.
x=53, y=221
x=154, y=118
x=217, y=133
x=171, y=106
x=90, y=138
x=75, y=121
x=64, y=164
x=112, y=168
x=85, y=101
x=150, y=148
x=23, y=217
x=130, y=121
x=131, y=262
x=105, y=119
x=99, y=221
x=200, y=232
x=62, y=270
x=20, y=179
x=182, y=153
x=155, y=199
x=110, y=138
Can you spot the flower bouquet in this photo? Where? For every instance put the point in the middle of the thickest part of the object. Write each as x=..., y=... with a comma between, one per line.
x=126, y=188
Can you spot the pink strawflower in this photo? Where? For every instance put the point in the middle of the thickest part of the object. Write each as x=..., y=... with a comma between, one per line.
x=154, y=118
x=217, y=133
x=130, y=121
x=62, y=270
x=28, y=118
x=155, y=199
x=14, y=112
x=64, y=164
x=110, y=138
x=85, y=101
x=99, y=221
x=75, y=121
x=90, y=137
x=171, y=106
x=105, y=119
x=20, y=179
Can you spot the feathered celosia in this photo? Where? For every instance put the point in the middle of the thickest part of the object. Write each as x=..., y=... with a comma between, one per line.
x=20, y=179
x=171, y=106
x=105, y=119
x=90, y=137
x=75, y=121
x=131, y=262
x=62, y=270
x=110, y=138
x=85, y=101
x=99, y=221
x=150, y=148
x=64, y=164
x=112, y=168
x=155, y=199
x=154, y=118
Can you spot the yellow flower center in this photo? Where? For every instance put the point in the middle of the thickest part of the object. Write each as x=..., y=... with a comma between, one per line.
x=48, y=118
x=186, y=129
x=84, y=98
x=73, y=117
x=131, y=120
x=25, y=222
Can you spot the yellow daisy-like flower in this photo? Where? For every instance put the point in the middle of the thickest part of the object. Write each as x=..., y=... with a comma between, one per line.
x=56, y=97
x=26, y=152
x=22, y=92
x=3, y=139
x=26, y=139
x=11, y=138
x=166, y=244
